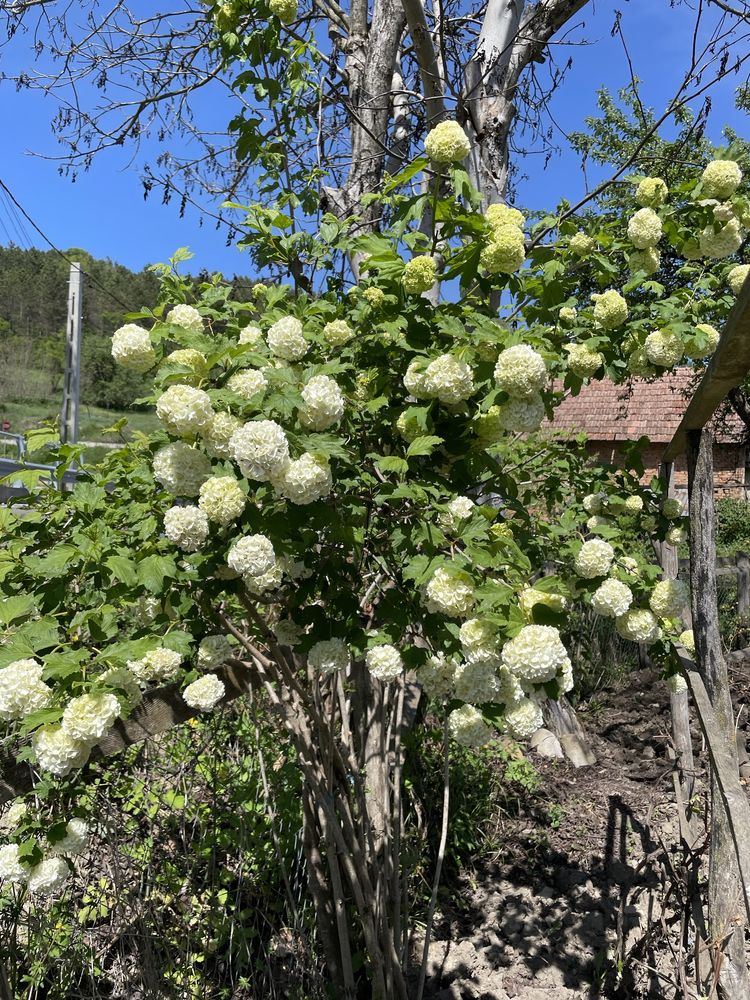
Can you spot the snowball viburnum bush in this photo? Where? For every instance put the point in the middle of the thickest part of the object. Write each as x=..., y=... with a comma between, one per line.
x=362, y=485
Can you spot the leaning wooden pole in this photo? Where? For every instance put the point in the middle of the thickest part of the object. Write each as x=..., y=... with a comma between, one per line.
x=679, y=702
x=726, y=909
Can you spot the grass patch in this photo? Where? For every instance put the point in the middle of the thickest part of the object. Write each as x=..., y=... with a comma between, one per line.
x=92, y=419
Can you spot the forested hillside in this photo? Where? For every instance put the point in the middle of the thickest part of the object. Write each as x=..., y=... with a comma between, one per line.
x=33, y=309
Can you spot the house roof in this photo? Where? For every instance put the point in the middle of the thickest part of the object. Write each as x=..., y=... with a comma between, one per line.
x=609, y=412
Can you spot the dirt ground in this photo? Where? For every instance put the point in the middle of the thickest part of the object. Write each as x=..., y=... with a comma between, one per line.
x=598, y=906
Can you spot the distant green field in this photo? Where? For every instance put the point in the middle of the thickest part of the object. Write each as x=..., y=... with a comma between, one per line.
x=93, y=419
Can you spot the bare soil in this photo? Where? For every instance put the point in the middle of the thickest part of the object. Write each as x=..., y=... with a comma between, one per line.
x=597, y=905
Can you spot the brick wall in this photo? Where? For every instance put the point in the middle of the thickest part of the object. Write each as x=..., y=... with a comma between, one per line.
x=729, y=466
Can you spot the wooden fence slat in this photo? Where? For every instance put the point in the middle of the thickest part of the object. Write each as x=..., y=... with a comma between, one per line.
x=732, y=793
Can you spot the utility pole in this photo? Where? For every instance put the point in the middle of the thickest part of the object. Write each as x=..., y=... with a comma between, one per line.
x=72, y=377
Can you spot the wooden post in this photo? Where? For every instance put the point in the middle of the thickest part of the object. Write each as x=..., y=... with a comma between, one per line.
x=679, y=700
x=72, y=376
x=743, y=583
x=726, y=909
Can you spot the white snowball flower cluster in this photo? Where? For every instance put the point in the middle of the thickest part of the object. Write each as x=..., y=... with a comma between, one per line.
x=479, y=640
x=447, y=143
x=663, y=348
x=131, y=348
x=597, y=521
x=669, y=598
x=248, y=383
x=205, y=693
x=250, y=336
x=213, y=651
x=521, y=416
x=582, y=361
x=506, y=251
x=582, y=244
x=181, y=469
x=530, y=596
x=157, y=665
x=57, y=752
x=338, y=332
x=187, y=317
x=536, y=654
x=384, y=662
x=323, y=403
x=688, y=640
x=638, y=625
x=520, y=371
x=592, y=503
x=721, y=178
x=648, y=261
x=459, y=509
x=420, y=274
x=329, y=655
x=568, y=315
x=194, y=360
x=610, y=309
x=672, y=508
x=269, y=580
x=524, y=719
x=222, y=500
x=450, y=592
x=261, y=449
x=511, y=690
x=448, y=379
x=185, y=410
x=634, y=504
x=48, y=877
x=287, y=632
x=75, y=840
x=651, y=192
x=88, y=717
x=503, y=215
x=286, y=340
x=218, y=435
x=13, y=815
x=22, y=690
x=436, y=677
x=414, y=380
x=710, y=342
x=638, y=363
x=594, y=559
x=676, y=535
x=722, y=242
x=252, y=555
x=644, y=229
x=611, y=599
x=305, y=480
x=186, y=527
x=737, y=277
x=285, y=10
x=477, y=682
x=468, y=728
x=12, y=870
x=676, y=683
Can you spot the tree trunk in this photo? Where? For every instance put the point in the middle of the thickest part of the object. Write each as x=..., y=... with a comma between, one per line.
x=726, y=916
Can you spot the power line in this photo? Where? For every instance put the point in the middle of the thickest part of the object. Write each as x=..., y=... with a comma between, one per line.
x=49, y=242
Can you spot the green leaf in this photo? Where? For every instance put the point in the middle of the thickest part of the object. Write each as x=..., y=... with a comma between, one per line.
x=44, y=717
x=123, y=569
x=13, y=608
x=423, y=445
x=64, y=664
x=153, y=570
x=392, y=463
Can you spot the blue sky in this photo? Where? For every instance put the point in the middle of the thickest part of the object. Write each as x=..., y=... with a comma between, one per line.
x=104, y=210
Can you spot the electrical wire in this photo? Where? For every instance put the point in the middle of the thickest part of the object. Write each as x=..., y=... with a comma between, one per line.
x=49, y=242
